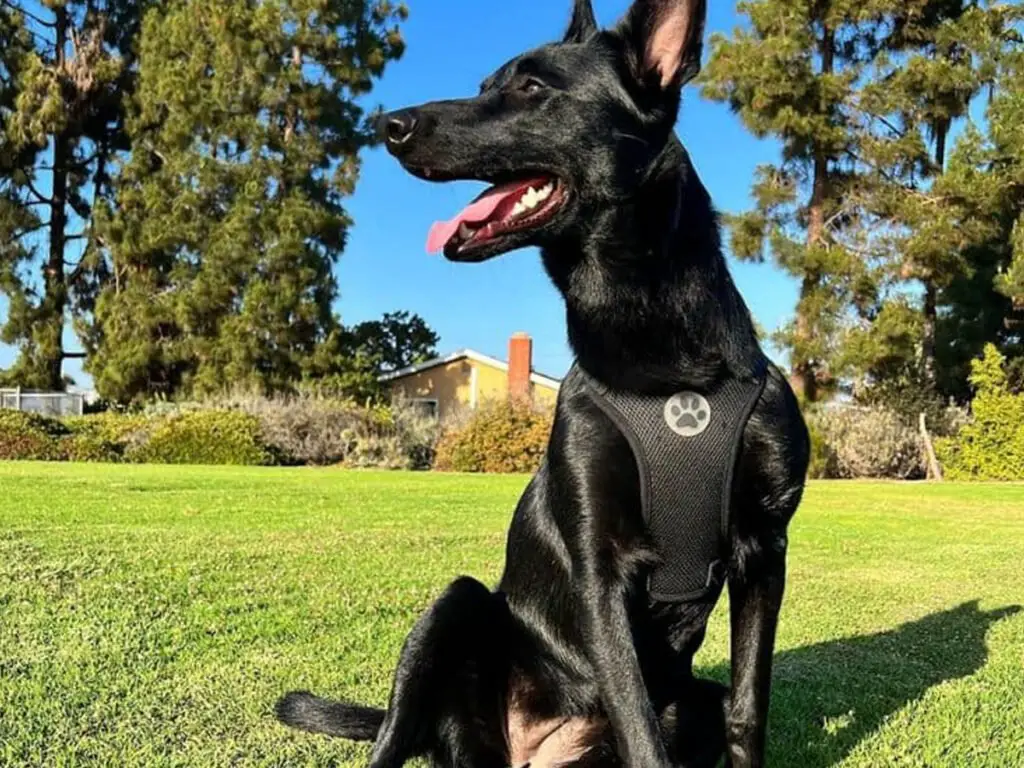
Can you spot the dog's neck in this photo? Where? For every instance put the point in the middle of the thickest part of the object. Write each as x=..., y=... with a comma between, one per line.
x=650, y=303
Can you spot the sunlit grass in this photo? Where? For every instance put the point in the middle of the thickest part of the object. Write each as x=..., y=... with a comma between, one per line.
x=150, y=616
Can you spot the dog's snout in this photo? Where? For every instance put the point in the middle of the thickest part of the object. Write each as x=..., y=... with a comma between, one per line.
x=398, y=127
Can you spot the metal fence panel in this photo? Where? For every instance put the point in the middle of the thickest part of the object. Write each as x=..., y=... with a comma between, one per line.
x=44, y=403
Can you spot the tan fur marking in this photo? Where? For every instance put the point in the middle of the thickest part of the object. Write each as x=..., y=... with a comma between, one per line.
x=549, y=743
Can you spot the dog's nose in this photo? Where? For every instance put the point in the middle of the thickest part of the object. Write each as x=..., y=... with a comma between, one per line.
x=398, y=127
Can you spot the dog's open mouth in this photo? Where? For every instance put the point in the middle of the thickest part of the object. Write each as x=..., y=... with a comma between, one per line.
x=504, y=209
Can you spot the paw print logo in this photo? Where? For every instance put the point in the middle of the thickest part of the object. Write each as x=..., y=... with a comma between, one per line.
x=687, y=414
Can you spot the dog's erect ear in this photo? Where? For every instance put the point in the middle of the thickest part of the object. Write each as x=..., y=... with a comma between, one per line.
x=666, y=39
x=583, y=24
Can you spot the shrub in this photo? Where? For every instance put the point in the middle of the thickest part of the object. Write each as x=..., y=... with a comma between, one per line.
x=202, y=437
x=30, y=437
x=991, y=446
x=855, y=442
x=312, y=429
x=86, y=447
x=303, y=429
x=417, y=434
x=909, y=394
x=500, y=436
x=103, y=437
x=820, y=466
x=374, y=448
x=110, y=427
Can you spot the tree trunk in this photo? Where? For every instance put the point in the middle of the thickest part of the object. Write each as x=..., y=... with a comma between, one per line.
x=805, y=371
x=931, y=290
x=54, y=303
x=928, y=340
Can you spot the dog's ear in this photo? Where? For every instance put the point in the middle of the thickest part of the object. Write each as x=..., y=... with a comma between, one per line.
x=583, y=24
x=665, y=39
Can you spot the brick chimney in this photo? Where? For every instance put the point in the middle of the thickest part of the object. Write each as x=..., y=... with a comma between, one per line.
x=520, y=364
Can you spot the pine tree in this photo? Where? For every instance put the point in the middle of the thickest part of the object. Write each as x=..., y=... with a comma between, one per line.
x=790, y=76
x=1006, y=120
x=987, y=304
x=64, y=66
x=245, y=129
x=934, y=60
x=868, y=204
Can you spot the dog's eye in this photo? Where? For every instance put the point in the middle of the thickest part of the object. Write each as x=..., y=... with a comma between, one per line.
x=532, y=85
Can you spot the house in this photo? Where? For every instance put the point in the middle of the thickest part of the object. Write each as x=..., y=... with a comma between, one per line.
x=466, y=378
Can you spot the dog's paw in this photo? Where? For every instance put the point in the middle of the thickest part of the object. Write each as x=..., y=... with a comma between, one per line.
x=688, y=414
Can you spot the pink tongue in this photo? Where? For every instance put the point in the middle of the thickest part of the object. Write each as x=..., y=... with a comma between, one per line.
x=443, y=231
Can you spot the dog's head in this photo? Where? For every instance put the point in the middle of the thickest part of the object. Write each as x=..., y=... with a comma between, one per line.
x=561, y=132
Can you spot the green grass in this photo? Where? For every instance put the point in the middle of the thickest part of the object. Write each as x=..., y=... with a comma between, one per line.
x=151, y=616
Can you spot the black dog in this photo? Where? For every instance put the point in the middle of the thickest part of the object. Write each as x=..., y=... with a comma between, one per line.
x=583, y=655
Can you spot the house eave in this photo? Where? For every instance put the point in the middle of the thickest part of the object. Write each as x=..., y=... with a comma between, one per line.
x=465, y=354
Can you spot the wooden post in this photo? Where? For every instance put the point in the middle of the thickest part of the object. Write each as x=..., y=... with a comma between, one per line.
x=17, y=398
x=934, y=468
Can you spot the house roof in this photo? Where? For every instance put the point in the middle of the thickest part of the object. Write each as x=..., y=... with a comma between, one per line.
x=467, y=354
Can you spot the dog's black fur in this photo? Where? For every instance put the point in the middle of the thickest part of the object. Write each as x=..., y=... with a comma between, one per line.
x=634, y=248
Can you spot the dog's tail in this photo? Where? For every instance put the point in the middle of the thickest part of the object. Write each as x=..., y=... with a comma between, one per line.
x=303, y=710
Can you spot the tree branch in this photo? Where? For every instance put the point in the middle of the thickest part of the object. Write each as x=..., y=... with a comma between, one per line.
x=898, y=132
x=877, y=168
x=27, y=232
x=39, y=195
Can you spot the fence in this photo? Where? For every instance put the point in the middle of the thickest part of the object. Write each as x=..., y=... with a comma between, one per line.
x=45, y=403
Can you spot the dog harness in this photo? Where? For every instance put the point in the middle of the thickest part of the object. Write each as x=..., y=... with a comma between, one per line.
x=686, y=448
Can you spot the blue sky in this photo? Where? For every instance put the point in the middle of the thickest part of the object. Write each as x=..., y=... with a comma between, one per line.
x=452, y=46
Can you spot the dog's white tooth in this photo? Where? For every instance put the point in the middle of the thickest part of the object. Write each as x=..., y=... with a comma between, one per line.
x=544, y=193
x=518, y=208
x=464, y=231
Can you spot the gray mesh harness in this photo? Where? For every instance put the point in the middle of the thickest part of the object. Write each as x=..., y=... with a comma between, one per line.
x=686, y=448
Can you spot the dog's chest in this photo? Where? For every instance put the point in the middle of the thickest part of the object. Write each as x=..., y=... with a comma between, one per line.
x=686, y=448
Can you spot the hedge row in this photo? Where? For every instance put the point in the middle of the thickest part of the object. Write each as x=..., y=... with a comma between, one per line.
x=252, y=431
x=501, y=436
x=858, y=443
x=985, y=444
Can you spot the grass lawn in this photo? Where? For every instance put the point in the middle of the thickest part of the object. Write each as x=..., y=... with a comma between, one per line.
x=151, y=616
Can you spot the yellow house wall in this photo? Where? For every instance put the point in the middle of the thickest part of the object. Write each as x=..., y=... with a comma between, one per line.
x=451, y=385
x=448, y=384
x=492, y=383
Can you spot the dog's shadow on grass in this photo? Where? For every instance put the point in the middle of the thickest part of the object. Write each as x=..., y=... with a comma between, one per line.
x=828, y=697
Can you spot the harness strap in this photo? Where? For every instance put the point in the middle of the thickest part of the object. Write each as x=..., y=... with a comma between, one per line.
x=686, y=448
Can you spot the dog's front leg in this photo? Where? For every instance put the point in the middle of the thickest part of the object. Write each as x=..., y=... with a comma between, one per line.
x=595, y=496
x=754, y=614
x=609, y=646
